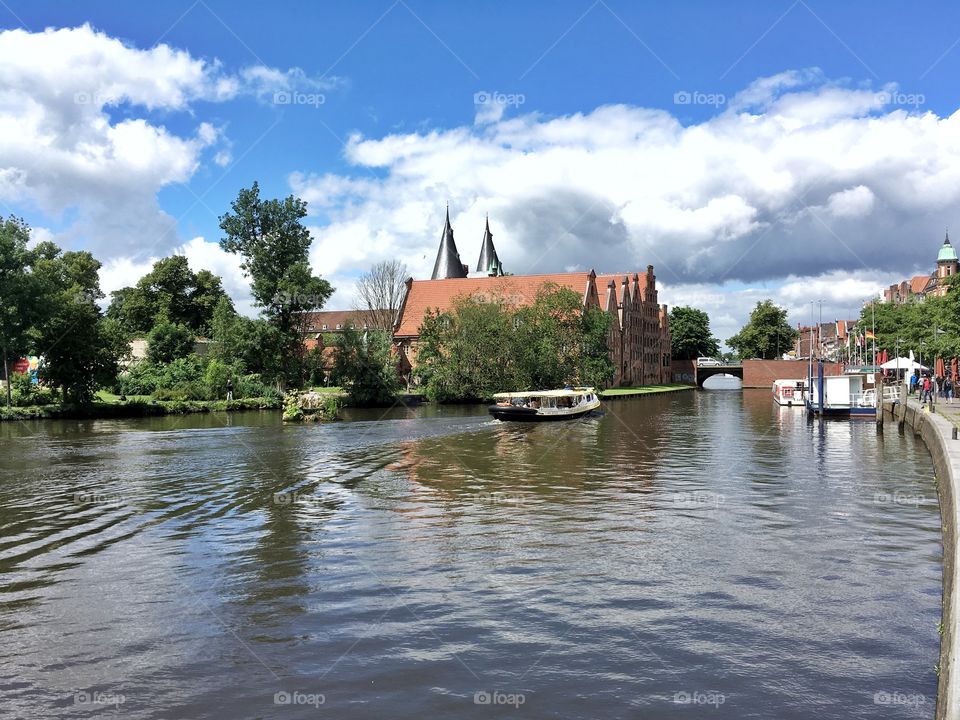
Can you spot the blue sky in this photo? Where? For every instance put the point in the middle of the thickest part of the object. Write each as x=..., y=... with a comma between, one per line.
x=393, y=75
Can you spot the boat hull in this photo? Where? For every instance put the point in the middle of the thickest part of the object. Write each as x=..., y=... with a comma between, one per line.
x=521, y=414
x=842, y=411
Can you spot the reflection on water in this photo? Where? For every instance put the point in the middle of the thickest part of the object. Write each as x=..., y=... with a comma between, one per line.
x=709, y=547
x=724, y=381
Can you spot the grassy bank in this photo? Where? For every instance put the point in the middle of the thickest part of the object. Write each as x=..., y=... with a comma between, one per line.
x=643, y=390
x=103, y=408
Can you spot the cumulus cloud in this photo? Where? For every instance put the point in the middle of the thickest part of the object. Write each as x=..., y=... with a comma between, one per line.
x=64, y=145
x=799, y=179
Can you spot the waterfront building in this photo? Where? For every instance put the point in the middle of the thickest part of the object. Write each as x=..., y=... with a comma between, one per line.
x=639, y=337
x=830, y=340
x=933, y=285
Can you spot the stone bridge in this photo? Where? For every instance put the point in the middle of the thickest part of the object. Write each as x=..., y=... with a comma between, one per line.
x=707, y=371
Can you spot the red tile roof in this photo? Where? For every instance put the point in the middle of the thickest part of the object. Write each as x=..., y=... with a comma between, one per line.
x=332, y=318
x=514, y=289
x=918, y=284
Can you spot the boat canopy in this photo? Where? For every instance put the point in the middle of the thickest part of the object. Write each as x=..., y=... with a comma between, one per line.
x=566, y=392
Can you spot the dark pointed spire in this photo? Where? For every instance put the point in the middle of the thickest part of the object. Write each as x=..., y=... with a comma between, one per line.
x=448, y=263
x=489, y=262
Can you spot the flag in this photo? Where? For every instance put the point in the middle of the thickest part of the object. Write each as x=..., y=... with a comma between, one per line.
x=911, y=356
x=869, y=335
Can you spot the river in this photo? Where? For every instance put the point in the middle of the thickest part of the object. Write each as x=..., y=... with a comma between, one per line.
x=685, y=555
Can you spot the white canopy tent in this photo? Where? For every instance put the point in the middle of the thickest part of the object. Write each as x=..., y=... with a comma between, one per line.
x=903, y=364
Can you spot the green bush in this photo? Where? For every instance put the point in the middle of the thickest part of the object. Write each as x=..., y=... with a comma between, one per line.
x=251, y=386
x=215, y=378
x=25, y=393
x=291, y=409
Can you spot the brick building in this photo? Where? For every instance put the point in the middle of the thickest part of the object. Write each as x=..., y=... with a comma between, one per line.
x=639, y=336
x=830, y=340
x=920, y=286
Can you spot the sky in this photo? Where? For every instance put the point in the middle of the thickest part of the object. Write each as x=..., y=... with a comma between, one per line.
x=805, y=151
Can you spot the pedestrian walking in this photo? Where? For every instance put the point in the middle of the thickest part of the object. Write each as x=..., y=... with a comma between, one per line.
x=948, y=389
x=926, y=391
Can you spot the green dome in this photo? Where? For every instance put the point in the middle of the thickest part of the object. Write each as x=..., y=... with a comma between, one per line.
x=947, y=253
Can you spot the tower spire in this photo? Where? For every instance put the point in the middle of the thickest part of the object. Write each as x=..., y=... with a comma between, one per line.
x=489, y=262
x=448, y=263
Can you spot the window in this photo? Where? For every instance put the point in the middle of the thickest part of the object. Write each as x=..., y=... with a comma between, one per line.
x=339, y=326
x=324, y=327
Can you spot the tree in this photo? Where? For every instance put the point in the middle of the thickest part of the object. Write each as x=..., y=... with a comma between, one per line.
x=690, y=334
x=249, y=344
x=169, y=341
x=363, y=366
x=545, y=338
x=379, y=293
x=170, y=291
x=468, y=352
x=273, y=242
x=80, y=348
x=930, y=327
x=596, y=368
x=20, y=304
x=766, y=334
x=480, y=347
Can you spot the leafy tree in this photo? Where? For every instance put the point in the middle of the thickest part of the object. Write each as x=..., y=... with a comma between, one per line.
x=690, y=336
x=766, y=334
x=596, y=368
x=170, y=291
x=545, y=338
x=479, y=348
x=20, y=304
x=931, y=328
x=169, y=341
x=363, y=365
x=80, y=348
x=273, y=242
x=249, y=344
x=468, y=352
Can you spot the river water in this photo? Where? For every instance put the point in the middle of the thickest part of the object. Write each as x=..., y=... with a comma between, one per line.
x=686, y=555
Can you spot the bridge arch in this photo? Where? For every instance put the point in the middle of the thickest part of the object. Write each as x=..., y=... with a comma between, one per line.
x=708, y=371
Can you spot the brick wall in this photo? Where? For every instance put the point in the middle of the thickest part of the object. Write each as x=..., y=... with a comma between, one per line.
x=762, y=373
x=683, y=371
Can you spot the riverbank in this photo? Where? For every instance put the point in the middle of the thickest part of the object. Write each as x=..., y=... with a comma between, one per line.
x=102, y=410
x=622, y=392
x=937, y=432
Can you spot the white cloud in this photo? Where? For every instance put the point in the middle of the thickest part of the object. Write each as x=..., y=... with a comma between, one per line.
x=853, y=202
x=802, y=189
x=62, y=149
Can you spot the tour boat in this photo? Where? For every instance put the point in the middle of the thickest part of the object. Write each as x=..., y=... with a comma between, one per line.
x=789, y=392
x=544, y=405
